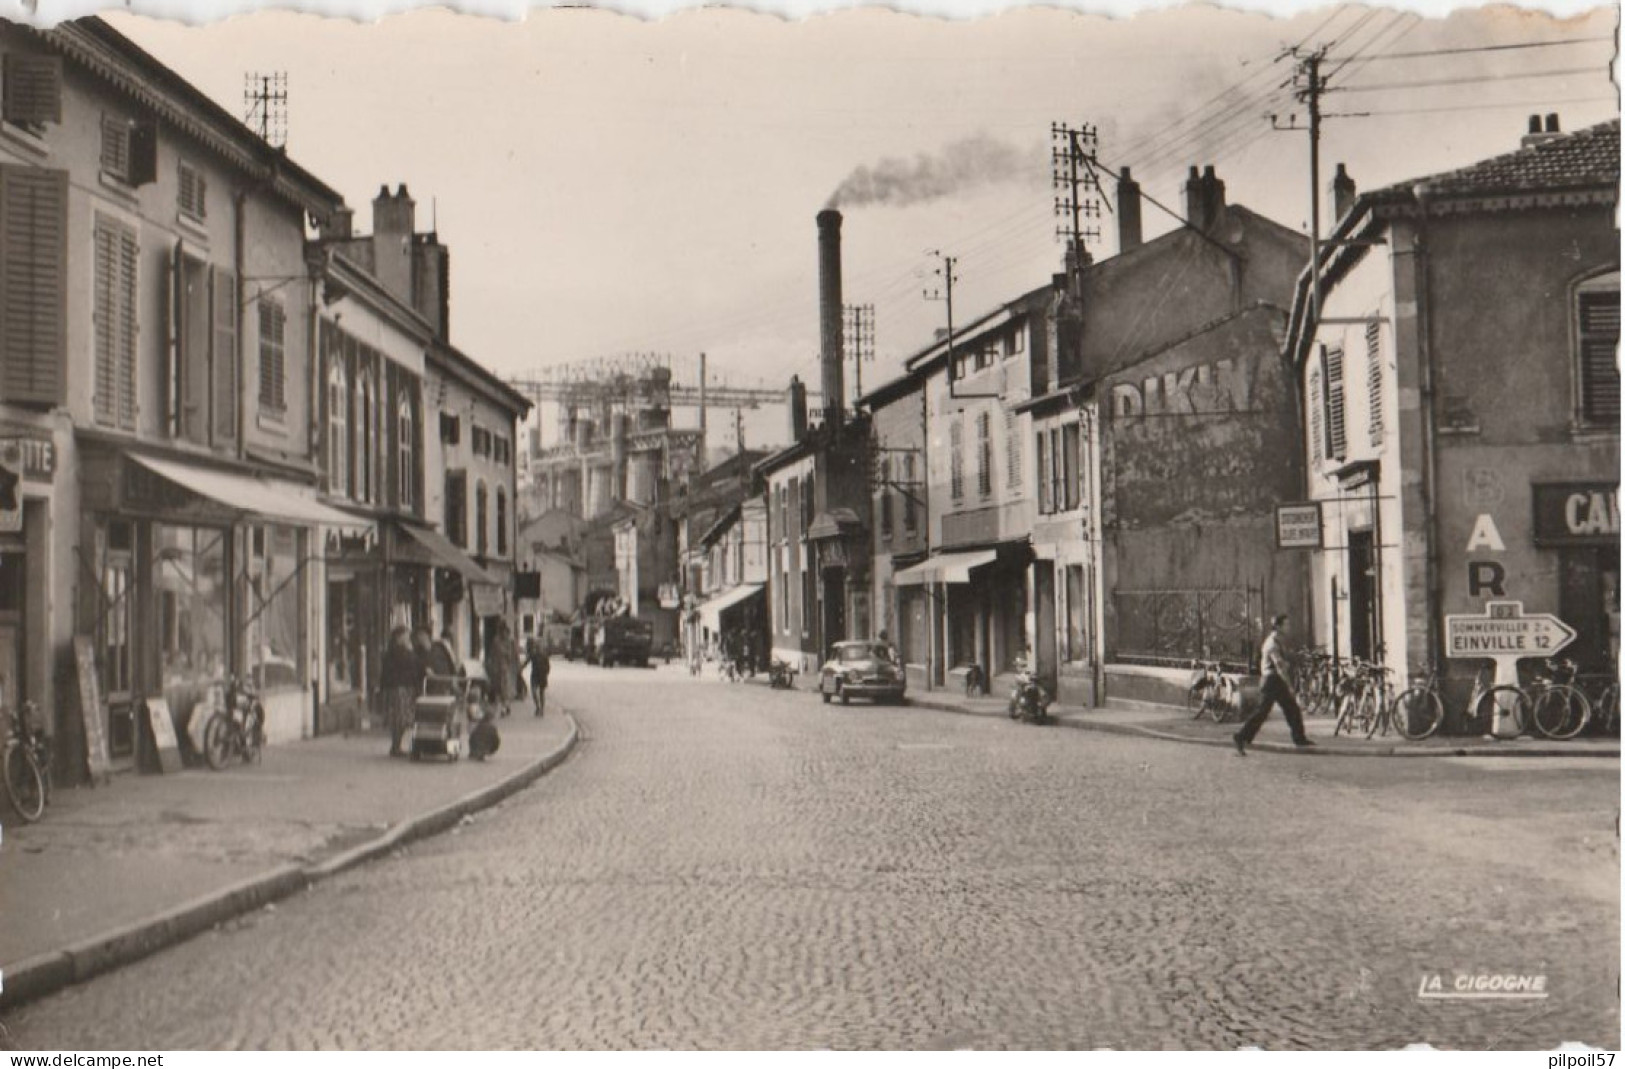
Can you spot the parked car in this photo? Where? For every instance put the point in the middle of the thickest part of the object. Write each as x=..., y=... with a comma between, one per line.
x=862, y=669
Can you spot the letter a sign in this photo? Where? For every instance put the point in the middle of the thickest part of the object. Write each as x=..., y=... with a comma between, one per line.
x=1485, y=535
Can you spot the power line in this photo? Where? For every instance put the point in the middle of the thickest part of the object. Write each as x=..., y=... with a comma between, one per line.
x=1472, y=80
x=1509, y=105
x=1491, y=48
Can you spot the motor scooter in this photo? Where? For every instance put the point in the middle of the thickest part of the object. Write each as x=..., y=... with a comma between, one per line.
x=1029, y=701
x=780, y=676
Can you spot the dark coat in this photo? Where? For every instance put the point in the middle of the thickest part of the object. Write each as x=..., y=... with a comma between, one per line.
x=402, y=668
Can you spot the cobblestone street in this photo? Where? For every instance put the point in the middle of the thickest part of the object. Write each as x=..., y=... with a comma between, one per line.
x=730, y=866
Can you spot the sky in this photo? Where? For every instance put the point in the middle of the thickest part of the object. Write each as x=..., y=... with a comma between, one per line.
x=609, y=185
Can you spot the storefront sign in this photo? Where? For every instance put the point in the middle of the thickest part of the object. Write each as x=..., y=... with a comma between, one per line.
x=32, y=457
x=163, y=735
x=1576, y=514
x=98, y=759
x=487, y=599
x=1297, y=526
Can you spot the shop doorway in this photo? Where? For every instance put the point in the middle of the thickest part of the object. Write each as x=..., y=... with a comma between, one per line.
x=13, y=584
x=1589, y=603
x=1044, y=603
x=1364, y=633
x=834, y=608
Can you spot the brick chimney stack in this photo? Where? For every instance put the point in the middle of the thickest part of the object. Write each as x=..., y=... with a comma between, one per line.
x=1204, y=198
x=1343, y=193
x=831, y=317
x=1129, y=233
x=393, y=220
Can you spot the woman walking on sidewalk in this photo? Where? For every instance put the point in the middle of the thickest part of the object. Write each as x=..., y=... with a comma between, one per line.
x=401, y=679
x=540, y=667
x=1274, y=690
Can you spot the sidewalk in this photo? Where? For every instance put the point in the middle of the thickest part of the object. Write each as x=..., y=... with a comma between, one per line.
x=1174, y=724
x=113, y=873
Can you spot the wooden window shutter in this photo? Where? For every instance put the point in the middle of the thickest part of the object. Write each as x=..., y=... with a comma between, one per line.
x=32, y=89
x=1317, y=412
x=226, y=356
x=33, y=285
x=1336, y=440
x=1012, y=455
x=1599, y=357
x=414, y=393
x=1041, y=454
x=175, y=353
x=129, y=251
x=1373, y=373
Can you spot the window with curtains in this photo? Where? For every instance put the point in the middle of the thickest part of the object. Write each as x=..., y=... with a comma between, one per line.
x=338, y=427
x=406, y=450
x=1596, y=311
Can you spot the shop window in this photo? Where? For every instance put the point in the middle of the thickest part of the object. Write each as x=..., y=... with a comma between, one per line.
x=1597, y=338
x=346, y=652
x=272, y=609
x=189, y=580
x=33, y=303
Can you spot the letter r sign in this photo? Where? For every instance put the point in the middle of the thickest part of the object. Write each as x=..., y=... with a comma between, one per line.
x=1486, y=577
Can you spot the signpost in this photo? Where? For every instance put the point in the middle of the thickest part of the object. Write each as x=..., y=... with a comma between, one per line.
x=1297, y=526
x=1503, y=634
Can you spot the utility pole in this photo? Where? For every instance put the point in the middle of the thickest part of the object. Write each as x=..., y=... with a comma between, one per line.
x=739, y=429
x=1073, y=155
x=860, y=340
x=702, y=464
x=1308, y=84
x=945, y=271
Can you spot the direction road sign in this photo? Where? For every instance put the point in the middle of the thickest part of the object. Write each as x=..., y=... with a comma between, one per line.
x=1504, y=631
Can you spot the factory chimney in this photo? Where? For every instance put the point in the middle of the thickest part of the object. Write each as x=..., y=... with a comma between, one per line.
x=830, y=315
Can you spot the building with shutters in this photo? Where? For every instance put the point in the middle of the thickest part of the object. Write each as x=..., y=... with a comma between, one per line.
x=155, y=398
x=1460, y=376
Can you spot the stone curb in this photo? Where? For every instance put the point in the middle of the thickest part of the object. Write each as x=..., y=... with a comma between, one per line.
x=44, y=974
x=1320, y=749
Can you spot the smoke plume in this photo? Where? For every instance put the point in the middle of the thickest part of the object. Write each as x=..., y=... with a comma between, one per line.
x=978, y=160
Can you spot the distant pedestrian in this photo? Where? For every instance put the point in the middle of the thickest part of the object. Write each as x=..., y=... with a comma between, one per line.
x=500, y=666
x=541, y=665
x=1276, y=689
x=401, y=679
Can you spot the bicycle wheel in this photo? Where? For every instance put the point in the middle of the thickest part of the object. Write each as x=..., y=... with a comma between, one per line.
x=1561, y=712
x=1505, y=699
x=1196, y=698
x=218, y=741
x=1346, y=706
x=1417, y=713
x=254, y=736
x=25, y=783
x=1379, y=714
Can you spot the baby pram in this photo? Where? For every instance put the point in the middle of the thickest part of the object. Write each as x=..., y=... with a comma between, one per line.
x=440, y=717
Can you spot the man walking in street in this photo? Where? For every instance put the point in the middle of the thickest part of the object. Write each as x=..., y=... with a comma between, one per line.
x=1275, y=689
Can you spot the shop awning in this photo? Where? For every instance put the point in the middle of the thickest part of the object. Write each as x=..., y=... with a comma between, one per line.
x=269, y=499
x=832, y=524
x=711, y=611
x=432, y=547
x=945, y=568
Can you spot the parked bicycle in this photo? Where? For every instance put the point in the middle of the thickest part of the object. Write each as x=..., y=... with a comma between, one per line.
x=1212, y=692
x=237, y=728
x=1418, y=712
x=1489, y=700
x=1605, y=704
x=27, y=767
x=1561, y=709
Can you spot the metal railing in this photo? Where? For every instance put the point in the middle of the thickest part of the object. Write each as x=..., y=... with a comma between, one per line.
x=1173, y=627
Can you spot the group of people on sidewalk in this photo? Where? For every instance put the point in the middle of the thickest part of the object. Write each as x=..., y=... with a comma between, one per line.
x=414, y=664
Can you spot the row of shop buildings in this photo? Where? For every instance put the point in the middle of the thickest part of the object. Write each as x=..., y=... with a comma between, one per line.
x=235, y=436
x=1098, y=474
